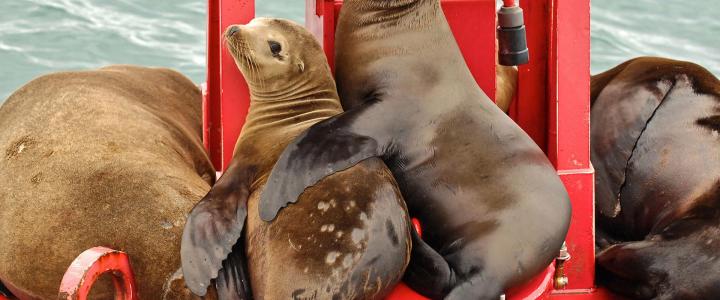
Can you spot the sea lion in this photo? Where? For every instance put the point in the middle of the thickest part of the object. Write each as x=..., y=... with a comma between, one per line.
x=506, y=86
x=110, y=157
x=494, y=211
x=655, y=148
x=506, y=82
x=348, y=237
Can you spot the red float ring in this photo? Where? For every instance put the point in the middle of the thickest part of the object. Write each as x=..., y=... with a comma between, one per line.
x=90, y=265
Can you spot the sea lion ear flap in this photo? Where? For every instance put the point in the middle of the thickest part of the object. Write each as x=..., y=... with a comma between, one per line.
x=213, y=227
x=301, y=66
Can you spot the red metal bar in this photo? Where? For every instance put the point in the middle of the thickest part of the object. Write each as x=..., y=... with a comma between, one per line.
x=212, y=132
x=473, y=25
x=529, y=109
x=89, y=266
x=320, y=19
x=580, y=269
x=227, y=93
x=569, y=82
x=569, y=129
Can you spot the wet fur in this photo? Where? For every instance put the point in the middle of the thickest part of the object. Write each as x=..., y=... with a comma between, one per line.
x=654, y=145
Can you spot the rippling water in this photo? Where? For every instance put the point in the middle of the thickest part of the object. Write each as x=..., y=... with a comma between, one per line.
x=40, y=36
x=686, y=30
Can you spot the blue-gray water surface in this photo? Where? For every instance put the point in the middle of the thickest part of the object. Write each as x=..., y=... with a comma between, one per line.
x=41, y=36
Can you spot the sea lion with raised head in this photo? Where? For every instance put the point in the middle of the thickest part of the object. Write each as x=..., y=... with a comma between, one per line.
x=110, y=157
x=349, y=235
x=494, y=211
x=656, y=152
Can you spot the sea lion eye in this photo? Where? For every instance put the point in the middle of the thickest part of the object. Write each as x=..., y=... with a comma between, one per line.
x=275, y=47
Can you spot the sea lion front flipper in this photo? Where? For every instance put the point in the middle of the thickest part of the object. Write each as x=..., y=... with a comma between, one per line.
x=233, y=281
x=214, y=225
x=327, y=147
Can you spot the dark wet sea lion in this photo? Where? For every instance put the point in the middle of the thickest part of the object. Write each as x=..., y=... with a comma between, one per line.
x=110, y=157
x=494, y=211
x=656, y=152
x=348, y=237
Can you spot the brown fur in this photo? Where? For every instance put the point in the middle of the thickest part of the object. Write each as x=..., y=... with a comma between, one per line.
x=110, y=157
x=507, y=79
x=300, y=236
x=348, y=237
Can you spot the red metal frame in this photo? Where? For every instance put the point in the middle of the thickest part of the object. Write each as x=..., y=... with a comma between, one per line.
x=89, y=266
x=226, y=93
x=552, y=103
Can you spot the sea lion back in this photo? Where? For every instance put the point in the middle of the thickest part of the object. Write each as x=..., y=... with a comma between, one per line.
x=111, y=157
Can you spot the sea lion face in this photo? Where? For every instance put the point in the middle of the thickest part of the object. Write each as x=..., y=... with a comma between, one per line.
x=683, y=262
x=266, y=49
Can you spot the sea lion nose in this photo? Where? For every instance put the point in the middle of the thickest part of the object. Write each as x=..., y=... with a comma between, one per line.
x=232, y=30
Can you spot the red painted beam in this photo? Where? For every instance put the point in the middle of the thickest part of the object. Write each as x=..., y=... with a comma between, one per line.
x=212, y=132
x=320, y=19
x=530, y=107
x=569, y=129
x=569, y=83
x=227, y=93
x=580, y=269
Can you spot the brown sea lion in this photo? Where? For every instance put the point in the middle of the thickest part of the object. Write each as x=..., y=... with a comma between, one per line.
x=348, y=237
x=506, y=83
x=656, y=152
x=410, y=99
x=110, y=157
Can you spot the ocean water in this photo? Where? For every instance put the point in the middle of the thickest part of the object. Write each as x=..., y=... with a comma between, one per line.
x=41, y=36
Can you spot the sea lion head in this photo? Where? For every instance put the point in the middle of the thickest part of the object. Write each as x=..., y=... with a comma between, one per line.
x=271, y=53
x=681, y=262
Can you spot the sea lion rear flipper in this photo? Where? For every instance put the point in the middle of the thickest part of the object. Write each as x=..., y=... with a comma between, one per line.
x=4, y=291
x=214, y=225
x=428, y=272
x=233, y=281
x=327, y=147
